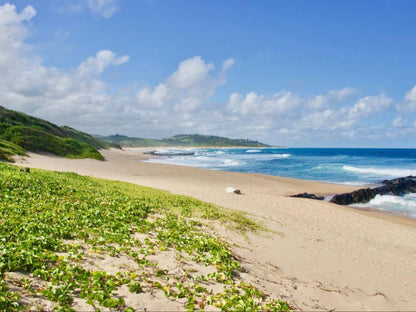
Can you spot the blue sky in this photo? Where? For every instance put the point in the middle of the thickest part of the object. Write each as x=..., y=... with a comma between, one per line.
x=294, y=73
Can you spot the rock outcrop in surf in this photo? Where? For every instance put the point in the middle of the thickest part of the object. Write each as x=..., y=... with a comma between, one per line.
x=398, y=187
x=170, y=153
x=309, y=196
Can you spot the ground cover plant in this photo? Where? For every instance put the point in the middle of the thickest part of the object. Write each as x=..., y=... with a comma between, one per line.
x=60, y=231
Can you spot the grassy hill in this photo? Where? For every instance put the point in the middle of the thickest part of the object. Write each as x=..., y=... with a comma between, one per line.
x=191, y=140
x=20, y=132
x=126, y=141
x=60, y=231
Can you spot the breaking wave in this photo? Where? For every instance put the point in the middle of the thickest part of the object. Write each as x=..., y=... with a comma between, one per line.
x=392, y=172
x=402, y=205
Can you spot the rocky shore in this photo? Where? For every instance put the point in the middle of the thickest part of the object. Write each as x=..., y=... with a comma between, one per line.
x=397, y=187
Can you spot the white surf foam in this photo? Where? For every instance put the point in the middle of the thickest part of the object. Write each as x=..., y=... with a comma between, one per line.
x=393, y=172
x=253, y=151
x=404, y=205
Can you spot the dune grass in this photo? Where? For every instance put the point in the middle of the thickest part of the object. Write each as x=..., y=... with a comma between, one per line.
x=8, y=149
x=52, y=223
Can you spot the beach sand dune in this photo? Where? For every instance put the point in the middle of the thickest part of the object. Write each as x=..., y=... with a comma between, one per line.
x=318, y=255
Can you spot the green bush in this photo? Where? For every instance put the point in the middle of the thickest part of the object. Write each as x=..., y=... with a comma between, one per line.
x=36, y=140
x=37, y=135
x=8, y=149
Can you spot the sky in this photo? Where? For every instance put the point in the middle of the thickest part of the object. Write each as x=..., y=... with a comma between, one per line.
x=309, y=73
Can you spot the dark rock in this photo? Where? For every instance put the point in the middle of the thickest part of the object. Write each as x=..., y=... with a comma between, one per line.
x=26, y=169
x=399, y=186
x=309, y=196
x=170, y=153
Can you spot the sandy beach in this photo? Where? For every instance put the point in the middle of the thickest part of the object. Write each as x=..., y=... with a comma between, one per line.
x=320, y=256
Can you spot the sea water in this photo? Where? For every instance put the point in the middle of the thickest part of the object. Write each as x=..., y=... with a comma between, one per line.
x=341, y=166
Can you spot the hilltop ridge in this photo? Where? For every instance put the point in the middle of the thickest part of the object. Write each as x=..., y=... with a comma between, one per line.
x=191, y=140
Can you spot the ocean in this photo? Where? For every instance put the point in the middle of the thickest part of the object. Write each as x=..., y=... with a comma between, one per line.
x=334, y=165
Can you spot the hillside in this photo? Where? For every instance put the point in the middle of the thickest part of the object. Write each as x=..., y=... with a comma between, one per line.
x=126, y=141
x=20, y=133
x=191, y=140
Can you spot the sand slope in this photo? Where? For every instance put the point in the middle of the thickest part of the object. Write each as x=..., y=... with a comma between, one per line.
x=320, y=256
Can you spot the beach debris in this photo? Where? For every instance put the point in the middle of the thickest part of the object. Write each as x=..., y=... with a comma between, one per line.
x=309, y=196
x=233, y=190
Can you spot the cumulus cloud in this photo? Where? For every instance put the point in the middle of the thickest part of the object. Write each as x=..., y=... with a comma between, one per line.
x=255, y=104
x=187, y=88
x=409, y=105
x=368, y=105
x=12, y=32
x=94, y=66
x=292, y=117
x=75, y=95
x=332, y=97
x=411, y=95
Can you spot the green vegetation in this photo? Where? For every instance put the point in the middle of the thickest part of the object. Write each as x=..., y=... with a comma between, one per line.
x=8, y=149
x=20, y=132
x=53, y=226
x=126, y=141
x=191, y=140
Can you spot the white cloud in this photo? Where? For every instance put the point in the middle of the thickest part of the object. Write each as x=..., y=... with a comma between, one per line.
x=94, y=66
x=410, y=101
x=155, y=98
x=332, y=97
x=341, y=95
x=227, y=65
x=13, y=33
x=189, y=73
x=368, y=105
x=411, y=95
x=9, y=16
x=187, y=88
x=104, y=8
x=255, y=104
x=63, y=97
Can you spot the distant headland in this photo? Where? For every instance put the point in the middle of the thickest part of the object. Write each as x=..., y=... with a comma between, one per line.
x=188, y=140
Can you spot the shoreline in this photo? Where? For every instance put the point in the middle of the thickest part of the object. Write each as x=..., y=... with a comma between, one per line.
x=374, y=212
x=318, y=255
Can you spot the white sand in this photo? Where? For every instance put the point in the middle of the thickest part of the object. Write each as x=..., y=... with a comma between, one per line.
x=321, y=256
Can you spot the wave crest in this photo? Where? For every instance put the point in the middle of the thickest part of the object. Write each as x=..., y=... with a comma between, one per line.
x=253, y=151
x=393, y=172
